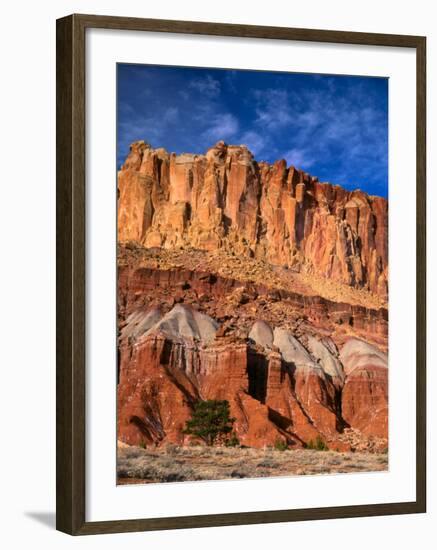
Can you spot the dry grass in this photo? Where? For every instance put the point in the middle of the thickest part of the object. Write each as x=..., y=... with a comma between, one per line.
x=137, y=465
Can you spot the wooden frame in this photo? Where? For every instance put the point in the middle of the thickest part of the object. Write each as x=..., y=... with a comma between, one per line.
x=70, y=205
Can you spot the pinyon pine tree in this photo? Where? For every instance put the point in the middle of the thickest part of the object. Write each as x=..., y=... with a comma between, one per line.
x=210, y=420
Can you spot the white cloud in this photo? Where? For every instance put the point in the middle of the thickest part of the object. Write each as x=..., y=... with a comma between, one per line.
x=206, y=85
x=223, y=126
x=255, y=142
x=273, y=108
x=170, y=115
x=300, y=158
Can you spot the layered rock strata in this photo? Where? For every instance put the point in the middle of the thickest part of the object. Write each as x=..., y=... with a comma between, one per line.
x=222, y=297
x=226, y=199
x=294, y=336
x=279, y=387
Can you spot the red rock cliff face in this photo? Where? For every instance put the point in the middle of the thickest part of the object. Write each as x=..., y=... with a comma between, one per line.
x=209, y=309
x=227, y=200
x=194, y=286
x=277, y=387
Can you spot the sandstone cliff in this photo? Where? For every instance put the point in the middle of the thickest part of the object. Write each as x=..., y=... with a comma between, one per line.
x=278, y=388
x=226, y=199
x=253, y=283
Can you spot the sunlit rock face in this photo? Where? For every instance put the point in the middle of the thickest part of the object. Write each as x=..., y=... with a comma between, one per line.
x=226, y=199
x=365, y=392
x=277, y=387
x=255, y=283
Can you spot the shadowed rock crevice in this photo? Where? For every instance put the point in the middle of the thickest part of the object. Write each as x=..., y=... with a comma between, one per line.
x=257, y=370
x=281, y=421
x=147, y=433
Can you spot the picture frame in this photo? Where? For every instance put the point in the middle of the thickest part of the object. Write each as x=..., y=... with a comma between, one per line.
x=71, y=300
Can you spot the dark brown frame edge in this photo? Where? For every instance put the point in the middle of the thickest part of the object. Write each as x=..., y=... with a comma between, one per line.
x=70, y=274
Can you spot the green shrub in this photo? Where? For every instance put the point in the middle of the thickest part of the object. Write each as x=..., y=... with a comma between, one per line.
x=317, y=445
x=233, y=441
x=210, y=421
x=281, y=445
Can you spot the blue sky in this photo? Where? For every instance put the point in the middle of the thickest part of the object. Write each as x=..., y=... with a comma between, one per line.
x=334, y=127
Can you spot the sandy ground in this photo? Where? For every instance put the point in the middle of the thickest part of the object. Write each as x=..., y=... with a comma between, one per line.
x=137, y=465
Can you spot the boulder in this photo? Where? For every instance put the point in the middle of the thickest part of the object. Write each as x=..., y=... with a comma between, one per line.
x=261, y=333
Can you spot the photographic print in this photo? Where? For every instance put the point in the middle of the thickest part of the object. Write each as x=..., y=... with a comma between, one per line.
x=252, y=270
